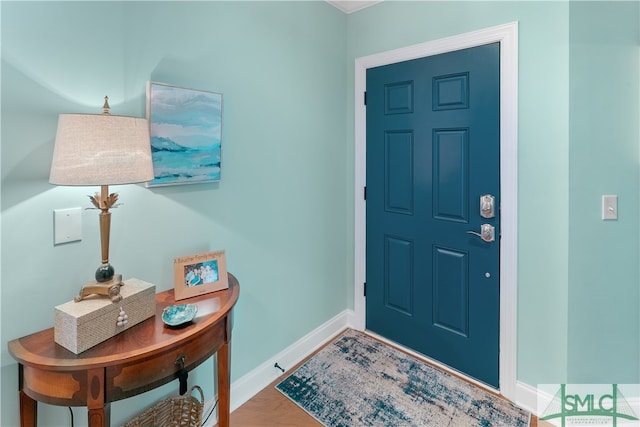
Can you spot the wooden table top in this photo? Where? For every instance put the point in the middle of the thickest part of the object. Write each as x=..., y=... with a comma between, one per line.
x=146, y=339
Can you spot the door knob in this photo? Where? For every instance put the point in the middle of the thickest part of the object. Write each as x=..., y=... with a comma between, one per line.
x=487, y=233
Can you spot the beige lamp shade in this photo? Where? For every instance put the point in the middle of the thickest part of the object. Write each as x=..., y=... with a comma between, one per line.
x=103, y=149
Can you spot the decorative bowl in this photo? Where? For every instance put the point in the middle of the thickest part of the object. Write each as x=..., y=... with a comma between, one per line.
x=178, y=314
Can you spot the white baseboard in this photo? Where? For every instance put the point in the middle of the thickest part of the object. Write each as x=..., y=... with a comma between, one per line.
x=527, y=397
x=251, y=383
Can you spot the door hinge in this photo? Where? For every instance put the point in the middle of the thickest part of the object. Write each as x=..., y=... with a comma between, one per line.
x=365, y=98
x=364, y=289
x=365, y=192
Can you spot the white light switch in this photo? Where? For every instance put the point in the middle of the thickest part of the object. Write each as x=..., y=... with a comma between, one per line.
x=609, y=207
x=67, y=225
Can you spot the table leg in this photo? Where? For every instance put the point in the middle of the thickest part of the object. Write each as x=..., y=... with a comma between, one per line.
x=98, y=410
x=224, y=385
x=100, y=417
x=28, y=411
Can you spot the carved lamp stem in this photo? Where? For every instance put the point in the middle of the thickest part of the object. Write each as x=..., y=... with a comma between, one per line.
x=104, y=201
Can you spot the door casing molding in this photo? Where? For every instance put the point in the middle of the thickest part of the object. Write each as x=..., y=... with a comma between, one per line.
x=507, y=36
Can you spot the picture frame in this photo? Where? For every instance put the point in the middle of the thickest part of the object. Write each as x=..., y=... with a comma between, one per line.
x=199, y=274
x=185, y=128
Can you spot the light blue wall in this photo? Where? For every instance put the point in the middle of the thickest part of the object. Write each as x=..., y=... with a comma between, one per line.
x=284, y=208
x=603, y=257
x=279, y=211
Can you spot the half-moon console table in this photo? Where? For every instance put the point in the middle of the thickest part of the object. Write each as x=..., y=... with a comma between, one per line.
x=136, y=360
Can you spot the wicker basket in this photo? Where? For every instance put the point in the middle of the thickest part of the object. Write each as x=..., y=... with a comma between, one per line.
x=185, y=410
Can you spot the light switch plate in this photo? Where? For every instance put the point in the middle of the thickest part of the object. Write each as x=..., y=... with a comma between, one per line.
x=609, y=207
x=67, y=225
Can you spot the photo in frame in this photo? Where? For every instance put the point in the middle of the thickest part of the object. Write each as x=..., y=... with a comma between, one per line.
x=185, y=126
x=200, y=274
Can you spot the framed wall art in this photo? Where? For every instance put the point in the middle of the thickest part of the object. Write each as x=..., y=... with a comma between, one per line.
x=185, y=126
x=200, y=274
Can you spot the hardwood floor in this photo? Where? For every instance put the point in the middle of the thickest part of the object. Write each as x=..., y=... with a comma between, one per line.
x=270, y=408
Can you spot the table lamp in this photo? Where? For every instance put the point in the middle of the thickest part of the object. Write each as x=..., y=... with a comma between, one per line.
x=102, y=150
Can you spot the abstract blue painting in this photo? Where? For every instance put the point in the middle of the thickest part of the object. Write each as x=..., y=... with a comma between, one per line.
x=185, y=126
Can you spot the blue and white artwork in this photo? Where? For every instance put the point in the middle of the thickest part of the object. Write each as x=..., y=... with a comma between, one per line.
x=185, y=126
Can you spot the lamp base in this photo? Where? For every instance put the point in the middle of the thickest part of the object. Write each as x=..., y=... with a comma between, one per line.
x=104, y=273
x=110, y=289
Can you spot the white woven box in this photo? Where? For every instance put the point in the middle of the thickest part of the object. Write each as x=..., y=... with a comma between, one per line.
x=84, y=324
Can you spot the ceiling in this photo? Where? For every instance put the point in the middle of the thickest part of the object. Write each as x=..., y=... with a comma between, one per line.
x=349, y=6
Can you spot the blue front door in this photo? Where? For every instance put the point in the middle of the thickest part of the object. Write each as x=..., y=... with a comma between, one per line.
x=433, y=152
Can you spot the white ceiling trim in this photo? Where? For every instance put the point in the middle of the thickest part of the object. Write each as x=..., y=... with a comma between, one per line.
x=350, y=6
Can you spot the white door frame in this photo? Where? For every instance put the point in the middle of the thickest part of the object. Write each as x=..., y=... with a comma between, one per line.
x=507, y=36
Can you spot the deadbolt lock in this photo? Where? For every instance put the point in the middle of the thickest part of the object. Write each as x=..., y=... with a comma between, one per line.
x=487, y=206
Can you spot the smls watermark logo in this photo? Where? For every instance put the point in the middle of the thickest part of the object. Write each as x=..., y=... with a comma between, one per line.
x=578, y=405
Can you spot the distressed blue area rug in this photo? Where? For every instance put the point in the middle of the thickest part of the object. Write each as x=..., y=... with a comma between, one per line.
x=358, y=381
